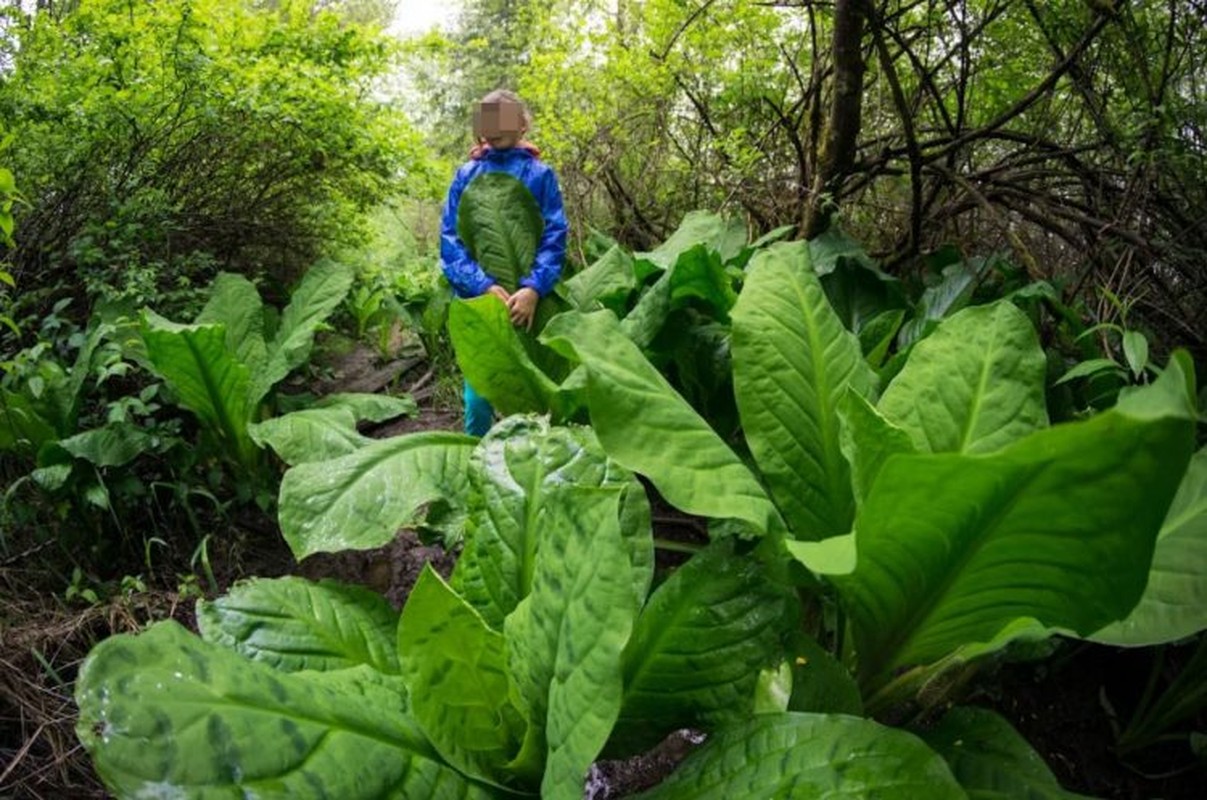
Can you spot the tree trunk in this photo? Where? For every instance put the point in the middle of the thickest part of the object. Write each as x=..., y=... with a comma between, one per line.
x=842, y=123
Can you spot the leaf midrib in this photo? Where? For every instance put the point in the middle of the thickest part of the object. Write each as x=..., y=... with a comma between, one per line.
x=905, y=632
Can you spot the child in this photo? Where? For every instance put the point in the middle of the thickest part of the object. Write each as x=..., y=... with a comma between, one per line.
x=500, y=122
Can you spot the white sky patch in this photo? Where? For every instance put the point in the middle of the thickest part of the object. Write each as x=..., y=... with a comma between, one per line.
x=420, y=16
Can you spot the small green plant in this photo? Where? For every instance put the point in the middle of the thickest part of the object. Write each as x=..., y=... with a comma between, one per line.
x=79, y=591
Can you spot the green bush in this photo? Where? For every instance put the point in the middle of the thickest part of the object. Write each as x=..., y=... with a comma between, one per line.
x=161, y=141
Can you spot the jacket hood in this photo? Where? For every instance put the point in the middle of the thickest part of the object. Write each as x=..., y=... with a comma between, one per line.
x=524, y=149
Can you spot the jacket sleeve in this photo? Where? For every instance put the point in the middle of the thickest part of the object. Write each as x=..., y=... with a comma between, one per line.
x=466, y=276
x=547, y=266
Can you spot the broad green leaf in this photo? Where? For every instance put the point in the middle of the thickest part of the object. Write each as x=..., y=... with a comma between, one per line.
x=877, y=336
x=833, y=245
x=1059, y=527
x=602, y=284
x=501, y=225
x=312, y=434
x=859, y=292
x=359, y=501
x=371, y=407
x=115, y=444
x=164, y=714
x=990, y=759
x=698, y=273
x=517, y=467
x=1087, y=368
x=772, y=236
x=951, y=294
x=206, y=376
x=698, y=647
x=833, y=556
x=820, y=683
x=73, y=389
x=792, y=363
x=320, y=292
x=22, y=428
x=973, y=386
x=867, y=440
x=565, y=639
x=53, y=477
x=293, y=624
x=235, y=303
x=810, y=756
x=726, y=237
x=456, y=673
x=647, y=427
x=649, y=314
x=493, y=358
x=1135, y=350
x=1174, y=604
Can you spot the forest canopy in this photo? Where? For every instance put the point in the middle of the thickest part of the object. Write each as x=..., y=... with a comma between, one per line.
x=1067, y=134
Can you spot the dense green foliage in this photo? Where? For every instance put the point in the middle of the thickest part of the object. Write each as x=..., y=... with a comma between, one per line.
x=968, y=530
x=158, y=141
x=945, y=428
x=1066, y=134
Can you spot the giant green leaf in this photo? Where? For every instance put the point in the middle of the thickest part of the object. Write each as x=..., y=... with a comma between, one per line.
x=513, y=473
x=312, y=434
x=990, y=759
x=1174, y=604
x=698, y=647
x=724, y=236
x=501, y=225
x=293, y=624
x=604, y=283
x=649, y=313
x=455, y=670
x=868, y=439
x=359, y=501
x=164, y=714
x=974, y=386
x=113, y=445
x=856, y=287
x=370, y=407
x=320, y=292
x=951, y=293
x=494, y=361
x=328, y=430
x=647, y=427
x=792, y=363
x=565, y=639
x=235, y=303
x=699, y=274
x=810, y=756
x=820, y=683
x=209, y=380
x=1059, y=528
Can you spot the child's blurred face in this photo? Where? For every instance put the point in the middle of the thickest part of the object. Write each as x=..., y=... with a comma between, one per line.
x=500, y=124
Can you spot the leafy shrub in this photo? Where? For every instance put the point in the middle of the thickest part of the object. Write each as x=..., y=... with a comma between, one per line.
x=164, y=140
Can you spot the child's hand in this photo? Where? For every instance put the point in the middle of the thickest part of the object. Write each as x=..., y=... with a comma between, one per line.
x=501, y=293
x=522, y=307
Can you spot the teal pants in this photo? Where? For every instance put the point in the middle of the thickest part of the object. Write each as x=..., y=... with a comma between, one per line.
x=478, y=413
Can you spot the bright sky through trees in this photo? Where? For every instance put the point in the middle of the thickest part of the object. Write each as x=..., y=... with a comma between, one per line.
x=417, y=16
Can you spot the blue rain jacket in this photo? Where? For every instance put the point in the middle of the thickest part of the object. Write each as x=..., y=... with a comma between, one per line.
x=465, y=274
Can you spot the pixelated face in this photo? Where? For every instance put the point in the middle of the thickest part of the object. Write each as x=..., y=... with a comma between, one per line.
x=499, y=123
